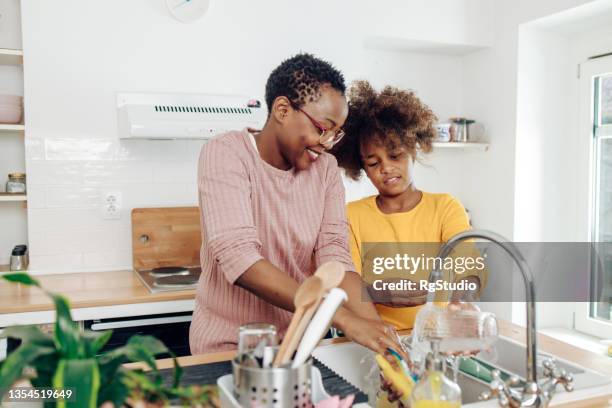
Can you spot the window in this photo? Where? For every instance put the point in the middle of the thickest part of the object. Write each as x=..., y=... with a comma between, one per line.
x=595, y=317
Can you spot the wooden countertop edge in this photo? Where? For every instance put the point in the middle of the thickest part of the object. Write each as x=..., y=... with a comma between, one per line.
x=140, y=294
x=82, y=304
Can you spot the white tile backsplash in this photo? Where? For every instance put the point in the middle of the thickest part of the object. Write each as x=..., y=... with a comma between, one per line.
x=175, y=172
x=34, y=148
x=54, y=219
x=71, y=196
x=63, y=262
x=99, y=240
x=55, y=172
x=36, y=196
x=152, y=150
x=103, y=172
x=108, y=260
x=80, y=149
x=67, y=180
x=193, y=149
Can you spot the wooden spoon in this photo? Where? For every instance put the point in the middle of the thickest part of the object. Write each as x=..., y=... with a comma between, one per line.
x=309, y=292
x=331, y=275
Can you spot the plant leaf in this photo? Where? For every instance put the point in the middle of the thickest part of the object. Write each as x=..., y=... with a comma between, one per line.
x=93, y=341
x=45, y=369
x=83, y=377
x=67, y=335
x=178, y=372
x=138, y=348
x=29, y=334
x=12, y=367
x=21, y=277
x=113, y=388
x=150, y=343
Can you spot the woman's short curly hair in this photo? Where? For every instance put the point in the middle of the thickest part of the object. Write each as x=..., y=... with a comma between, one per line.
x=300, y=78
x=392, y=117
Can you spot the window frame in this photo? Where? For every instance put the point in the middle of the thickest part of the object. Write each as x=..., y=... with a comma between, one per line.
x=583, y=321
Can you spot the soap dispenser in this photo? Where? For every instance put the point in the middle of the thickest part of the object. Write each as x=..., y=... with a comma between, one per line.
x=435, y=389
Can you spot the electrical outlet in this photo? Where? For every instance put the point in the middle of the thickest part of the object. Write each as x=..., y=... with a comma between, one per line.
x=111, y=205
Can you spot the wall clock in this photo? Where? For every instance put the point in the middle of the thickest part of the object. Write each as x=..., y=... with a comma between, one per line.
x=187, y=11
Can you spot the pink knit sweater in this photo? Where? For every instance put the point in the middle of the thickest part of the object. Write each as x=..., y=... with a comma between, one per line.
x=251, y=210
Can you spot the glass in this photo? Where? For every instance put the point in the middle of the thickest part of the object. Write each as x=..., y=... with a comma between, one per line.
x=327, y=137
x=457, y=331
x=256, y=336
x=601, y=269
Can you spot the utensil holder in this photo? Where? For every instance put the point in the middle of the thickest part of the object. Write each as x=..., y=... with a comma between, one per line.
x=281, y=387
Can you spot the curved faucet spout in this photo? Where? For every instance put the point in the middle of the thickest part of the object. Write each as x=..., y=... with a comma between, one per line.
x=514, y=253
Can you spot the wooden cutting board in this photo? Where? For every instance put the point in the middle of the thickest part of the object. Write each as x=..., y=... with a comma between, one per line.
x=166, y=237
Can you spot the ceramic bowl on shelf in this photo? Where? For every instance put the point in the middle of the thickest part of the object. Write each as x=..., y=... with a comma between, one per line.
x=11, y=100
x=11, y=109
x=10, y=114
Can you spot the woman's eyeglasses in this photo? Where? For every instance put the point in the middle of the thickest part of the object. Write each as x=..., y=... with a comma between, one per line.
x=327, y=137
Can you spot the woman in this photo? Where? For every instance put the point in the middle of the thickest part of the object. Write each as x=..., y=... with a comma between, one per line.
x=384, y=131
x=272, y=211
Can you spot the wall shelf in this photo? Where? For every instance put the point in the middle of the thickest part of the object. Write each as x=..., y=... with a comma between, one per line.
x=13, y=197
x=11, y=57
x=481, y=146
x=5, y=128
x=420, y=46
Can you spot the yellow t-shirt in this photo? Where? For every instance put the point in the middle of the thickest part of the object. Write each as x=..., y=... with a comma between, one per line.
x=436, y=218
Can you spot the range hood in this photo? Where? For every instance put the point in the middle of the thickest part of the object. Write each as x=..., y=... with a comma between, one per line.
x=185, y=116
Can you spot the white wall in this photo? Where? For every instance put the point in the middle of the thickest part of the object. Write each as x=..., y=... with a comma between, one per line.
x=544, y=145
x=79, y=54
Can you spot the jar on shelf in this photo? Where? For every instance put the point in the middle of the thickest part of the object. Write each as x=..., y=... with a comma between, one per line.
x=16, y=183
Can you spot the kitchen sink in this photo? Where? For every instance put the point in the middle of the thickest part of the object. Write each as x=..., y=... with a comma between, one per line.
x=346, y=360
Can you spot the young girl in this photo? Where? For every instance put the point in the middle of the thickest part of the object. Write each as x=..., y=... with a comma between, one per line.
x=384, y=130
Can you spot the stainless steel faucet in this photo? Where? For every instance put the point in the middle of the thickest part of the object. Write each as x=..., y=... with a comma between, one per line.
x=533, y=394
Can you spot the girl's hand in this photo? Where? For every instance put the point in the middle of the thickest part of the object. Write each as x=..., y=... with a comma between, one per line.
x=400, y=298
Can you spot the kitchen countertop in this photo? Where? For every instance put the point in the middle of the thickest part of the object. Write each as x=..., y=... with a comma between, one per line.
x=90, y=289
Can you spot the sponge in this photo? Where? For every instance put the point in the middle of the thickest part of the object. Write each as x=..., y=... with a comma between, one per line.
x=402, y=383
x=475, y=369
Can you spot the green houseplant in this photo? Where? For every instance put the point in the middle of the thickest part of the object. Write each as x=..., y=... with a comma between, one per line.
x=70, y=359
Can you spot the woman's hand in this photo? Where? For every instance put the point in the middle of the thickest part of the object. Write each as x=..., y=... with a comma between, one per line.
x=373, y=334
x=393, y=395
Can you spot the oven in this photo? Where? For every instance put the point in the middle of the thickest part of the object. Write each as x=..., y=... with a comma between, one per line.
x=171, y=328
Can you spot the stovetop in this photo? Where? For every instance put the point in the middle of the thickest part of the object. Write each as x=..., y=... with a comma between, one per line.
x=170, y=279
